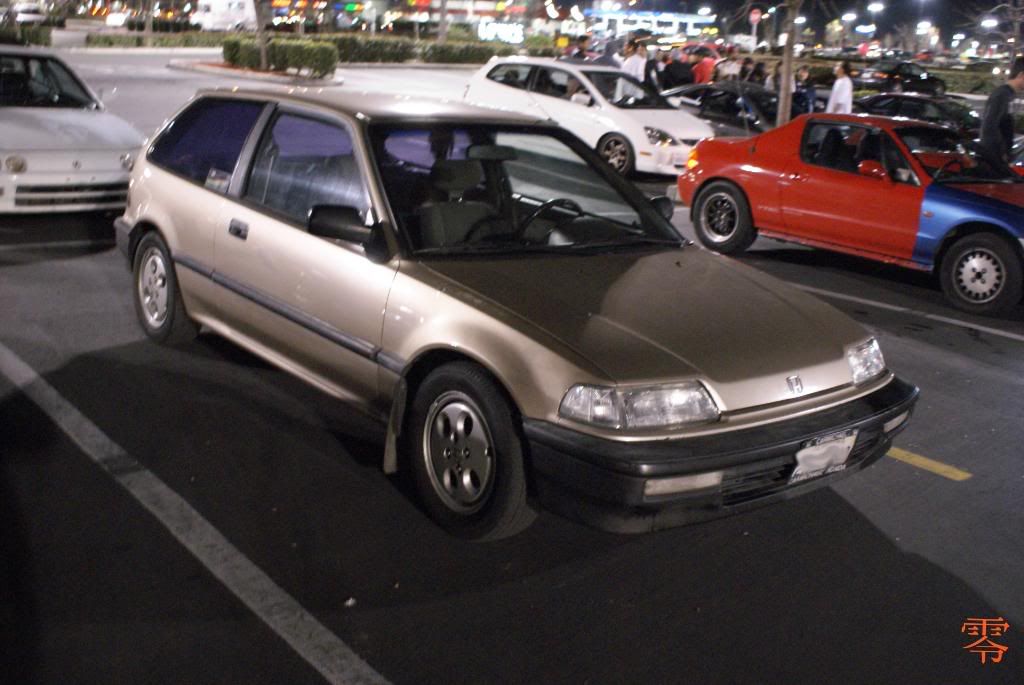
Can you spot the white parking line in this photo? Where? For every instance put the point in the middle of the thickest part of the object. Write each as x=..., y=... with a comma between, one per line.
x=907, y=310
x=322, y=649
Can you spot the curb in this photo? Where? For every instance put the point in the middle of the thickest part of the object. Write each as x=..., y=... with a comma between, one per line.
x=144, y=51
x=190, y=65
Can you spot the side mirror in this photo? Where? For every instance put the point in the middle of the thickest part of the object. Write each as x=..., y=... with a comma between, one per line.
x=339, y=222
x=581, y=99
x=872, y=169
x=664, y=206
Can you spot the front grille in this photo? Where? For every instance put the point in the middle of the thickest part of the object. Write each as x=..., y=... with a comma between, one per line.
x=77, y=194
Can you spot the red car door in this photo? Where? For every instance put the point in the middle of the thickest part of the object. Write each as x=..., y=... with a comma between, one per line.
x=825, y=199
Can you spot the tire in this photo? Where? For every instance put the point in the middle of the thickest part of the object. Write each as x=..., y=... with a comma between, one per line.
x=466, y=454
x=617, y=151
x=158, y=303
x=721, y=218
x=982, y=274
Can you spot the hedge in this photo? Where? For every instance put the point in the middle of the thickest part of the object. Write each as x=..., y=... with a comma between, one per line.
x=356, y=49
x=191, y=39
x=161, y=25
x=318, y=58
x=464, y=53
x=25, y=35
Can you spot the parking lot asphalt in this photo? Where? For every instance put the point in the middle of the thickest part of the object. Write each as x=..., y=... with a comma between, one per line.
x=869, y=581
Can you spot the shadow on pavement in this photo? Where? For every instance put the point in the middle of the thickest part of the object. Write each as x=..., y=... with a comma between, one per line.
x=803, y=591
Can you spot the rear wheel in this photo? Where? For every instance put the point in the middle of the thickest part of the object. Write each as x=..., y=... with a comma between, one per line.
x=617, y=151
x=721, y=218
x=158, y=303
x=466, y=454
x=982, y=274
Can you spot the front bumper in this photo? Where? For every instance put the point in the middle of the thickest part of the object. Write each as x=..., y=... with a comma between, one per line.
x=602, y=482
x=45, y=192
x=669, y=160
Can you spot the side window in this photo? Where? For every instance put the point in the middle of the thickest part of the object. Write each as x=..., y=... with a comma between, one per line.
x=886, y=106
x=557, y=83
x=832, y=145
x=895, y=163
x=724, y=104
x=515, y=75
x=204, y=142
x=303, y=162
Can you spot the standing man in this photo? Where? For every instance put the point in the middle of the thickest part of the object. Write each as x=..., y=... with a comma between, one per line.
x=635, y=63
x=840, y=100
x=582, y=47
x=805, y=89
x=703, y=66
x=997, y=123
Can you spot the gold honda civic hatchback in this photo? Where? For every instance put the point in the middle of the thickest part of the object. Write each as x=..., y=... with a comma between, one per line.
x=529, y=326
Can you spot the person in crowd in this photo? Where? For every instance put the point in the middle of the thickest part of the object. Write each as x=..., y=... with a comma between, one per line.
x=652, y=69
x=773, y=81
x=582, y=47
x=746, y=68
x=840, y=100
x=678, y=71
x=758, y=74
x=997, y=121
x=635, y=63
x=806, y=93
x=703, y=66
x=727, y=68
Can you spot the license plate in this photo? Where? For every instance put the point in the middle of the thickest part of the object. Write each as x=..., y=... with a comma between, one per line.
x=823, y=455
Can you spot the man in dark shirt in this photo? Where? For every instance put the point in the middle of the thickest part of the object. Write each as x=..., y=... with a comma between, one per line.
x=997, y=123
x=678, y=72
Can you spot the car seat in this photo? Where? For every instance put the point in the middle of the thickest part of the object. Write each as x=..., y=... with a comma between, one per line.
x=14, y=89
x=448, y=221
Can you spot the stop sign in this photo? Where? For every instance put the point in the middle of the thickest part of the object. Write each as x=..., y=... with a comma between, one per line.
x=755, y=16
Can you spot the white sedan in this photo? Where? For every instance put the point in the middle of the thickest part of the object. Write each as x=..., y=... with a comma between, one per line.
x=629, y=124
x=60, y=151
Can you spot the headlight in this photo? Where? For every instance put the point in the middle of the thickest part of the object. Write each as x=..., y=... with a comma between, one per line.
x=656, y=406
x=865, y=361
x=655, y=136
x=16, y=164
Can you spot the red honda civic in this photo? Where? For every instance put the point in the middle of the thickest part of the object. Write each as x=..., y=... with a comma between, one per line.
x=894, y=190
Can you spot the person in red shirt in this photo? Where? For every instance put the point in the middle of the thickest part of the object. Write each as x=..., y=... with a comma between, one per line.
x=703, y=67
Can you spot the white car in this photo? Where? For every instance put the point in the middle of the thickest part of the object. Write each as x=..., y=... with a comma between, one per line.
x=629, y=124
x=60, y=150
x=26, y=13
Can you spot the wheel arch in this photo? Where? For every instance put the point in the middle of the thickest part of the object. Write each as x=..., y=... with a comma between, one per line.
x=971, y=228
x=140, y=229
x=412, y=376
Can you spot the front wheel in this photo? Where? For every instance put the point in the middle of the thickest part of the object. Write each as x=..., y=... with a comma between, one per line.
x=617, y=151
x=158, y=303
x=721, y=219
x=982, y=274
x=466, y=454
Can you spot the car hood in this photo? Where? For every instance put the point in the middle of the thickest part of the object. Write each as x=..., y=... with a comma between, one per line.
x=673, y=315
x=678, y=122
x=1007, y=193
x=53, y=129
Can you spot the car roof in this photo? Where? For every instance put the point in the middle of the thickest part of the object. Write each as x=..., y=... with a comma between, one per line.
x=376, y=106
x=887, y=123
x=589, y=65
x=29, y=50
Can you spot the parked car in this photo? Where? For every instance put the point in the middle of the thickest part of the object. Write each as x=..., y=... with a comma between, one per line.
x=28, y=13
x=733, y=108
x=630, y=125
x=947, y=111
x=526, y=323
x=896, y=191
x=893, y=76
x=61, y=150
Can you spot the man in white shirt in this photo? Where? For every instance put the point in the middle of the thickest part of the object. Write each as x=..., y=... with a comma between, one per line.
x=841, y=98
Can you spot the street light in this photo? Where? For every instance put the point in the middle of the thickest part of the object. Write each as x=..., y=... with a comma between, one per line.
x=849, y=16
x=800, y=21
x=989, y=23
x=875, y=7
x=704, y=11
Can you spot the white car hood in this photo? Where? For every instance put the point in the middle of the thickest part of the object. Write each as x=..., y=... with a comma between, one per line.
x=680, y=124
x=55, y=129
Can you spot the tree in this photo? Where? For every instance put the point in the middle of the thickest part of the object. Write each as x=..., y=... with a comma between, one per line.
x=1009, y=14
x=786, y=77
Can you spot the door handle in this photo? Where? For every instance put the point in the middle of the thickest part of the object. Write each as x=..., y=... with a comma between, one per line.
x=238, y=229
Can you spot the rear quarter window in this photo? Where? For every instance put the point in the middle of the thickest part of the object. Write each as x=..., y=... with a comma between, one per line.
x=204, y=142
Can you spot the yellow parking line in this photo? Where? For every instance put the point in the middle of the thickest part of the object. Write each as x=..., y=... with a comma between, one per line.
x=936, y=467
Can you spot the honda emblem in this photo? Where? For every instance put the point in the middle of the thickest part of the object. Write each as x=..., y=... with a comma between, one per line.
x=796, y=386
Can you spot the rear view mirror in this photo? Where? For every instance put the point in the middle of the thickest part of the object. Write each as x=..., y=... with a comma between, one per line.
x=872, y=169
x=339, y=222
x=664, y=206
x=581, y=99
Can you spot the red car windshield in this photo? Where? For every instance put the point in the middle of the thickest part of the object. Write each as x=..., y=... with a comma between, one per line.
x=948, y=158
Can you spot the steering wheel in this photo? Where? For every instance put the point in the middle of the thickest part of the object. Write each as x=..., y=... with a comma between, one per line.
x=946, y=165
x=564, y=202
x=478, y=224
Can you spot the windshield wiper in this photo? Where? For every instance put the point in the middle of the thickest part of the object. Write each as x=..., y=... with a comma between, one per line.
x=630, y=240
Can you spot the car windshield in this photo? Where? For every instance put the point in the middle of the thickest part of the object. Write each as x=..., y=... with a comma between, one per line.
x=40, y=82
x=625, y=91
x=962, y=113
x=486, y=189
x=948, y=158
